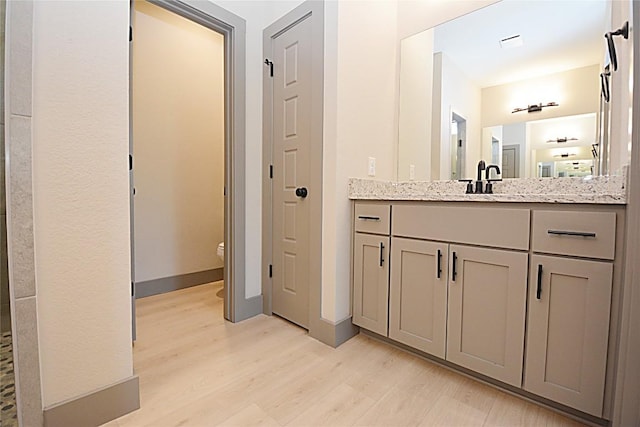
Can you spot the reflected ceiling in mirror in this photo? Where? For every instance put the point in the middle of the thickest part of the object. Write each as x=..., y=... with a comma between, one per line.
x=553, y=36
x=481, y=67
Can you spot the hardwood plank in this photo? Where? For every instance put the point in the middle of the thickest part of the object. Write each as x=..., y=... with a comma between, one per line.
x=196, y=369
x=252, y=415
x=342, y=406
x=448, y=411
x=396, y=408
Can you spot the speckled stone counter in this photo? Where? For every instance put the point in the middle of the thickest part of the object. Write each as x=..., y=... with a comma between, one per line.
x=599, y=190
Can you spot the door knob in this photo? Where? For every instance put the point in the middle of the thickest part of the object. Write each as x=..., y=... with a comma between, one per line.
x=302, y=192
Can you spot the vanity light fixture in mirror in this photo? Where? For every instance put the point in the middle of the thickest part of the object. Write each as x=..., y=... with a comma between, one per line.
x=534, y=108
x=462, y=67
x=561, y=140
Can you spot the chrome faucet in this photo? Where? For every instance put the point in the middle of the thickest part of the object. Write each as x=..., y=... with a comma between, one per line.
x=481, y=166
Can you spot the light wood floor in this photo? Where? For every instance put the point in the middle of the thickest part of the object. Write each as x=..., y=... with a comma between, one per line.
x=198, y=370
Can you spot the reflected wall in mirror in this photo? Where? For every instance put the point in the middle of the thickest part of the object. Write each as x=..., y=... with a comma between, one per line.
x=461, y=84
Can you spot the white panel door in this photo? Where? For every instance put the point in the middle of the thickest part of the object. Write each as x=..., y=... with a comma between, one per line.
x=291, y=163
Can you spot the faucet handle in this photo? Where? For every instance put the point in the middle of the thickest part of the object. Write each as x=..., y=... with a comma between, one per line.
x=489, y=189
x=469, y=185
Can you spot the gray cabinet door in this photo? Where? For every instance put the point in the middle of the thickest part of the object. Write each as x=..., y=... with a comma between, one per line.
x=568, y=330
x=418, y=296
x=371, y=282
x=487, y=301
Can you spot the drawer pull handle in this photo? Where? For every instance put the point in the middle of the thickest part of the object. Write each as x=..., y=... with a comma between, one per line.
x=439, y=264
x=454, y=271
x=368, y=218
x=571, y=233
x=381, y=254
x=539, y=288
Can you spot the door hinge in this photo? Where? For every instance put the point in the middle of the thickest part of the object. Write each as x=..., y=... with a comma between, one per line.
x=271, y=171
x=130, y=33
x=270, y=65
x=270, y=270
x=130, y=162
x=132, y=289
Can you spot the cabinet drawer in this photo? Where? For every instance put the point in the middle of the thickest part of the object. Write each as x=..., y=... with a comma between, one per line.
x=584, y=234
x=372, y=218
x=486, y=226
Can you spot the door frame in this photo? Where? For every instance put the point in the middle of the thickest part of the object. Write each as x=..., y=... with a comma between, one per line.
x=625, y=405
x=236, y=306
x=314, y=10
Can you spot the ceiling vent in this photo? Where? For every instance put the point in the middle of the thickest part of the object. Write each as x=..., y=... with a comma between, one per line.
x=511, y=42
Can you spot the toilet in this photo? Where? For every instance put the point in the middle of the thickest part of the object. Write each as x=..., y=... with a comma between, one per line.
x=220, y=251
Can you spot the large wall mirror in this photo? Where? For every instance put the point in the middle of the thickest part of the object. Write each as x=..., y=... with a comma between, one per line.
x=517, y=84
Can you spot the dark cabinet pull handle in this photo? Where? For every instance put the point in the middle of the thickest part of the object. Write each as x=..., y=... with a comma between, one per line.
x=454, y=272
x=539, y=288
x=368, y=218
x=439, y=272
x=571, y=233
x=381, y=254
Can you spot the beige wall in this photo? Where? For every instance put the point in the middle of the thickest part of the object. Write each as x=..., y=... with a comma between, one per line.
x=178, y=134
x=576, y=91
x=415, y=125
x=81, y=195
x=364, y=121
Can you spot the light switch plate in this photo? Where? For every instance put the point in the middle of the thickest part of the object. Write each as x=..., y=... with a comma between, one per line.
x=372, y=166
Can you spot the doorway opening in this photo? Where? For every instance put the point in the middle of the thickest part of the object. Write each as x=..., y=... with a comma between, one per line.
x=236, y=306
x=178, y=148
x=458, y=145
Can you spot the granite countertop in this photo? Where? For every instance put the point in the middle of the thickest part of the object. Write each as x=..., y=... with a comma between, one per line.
x=593, y=190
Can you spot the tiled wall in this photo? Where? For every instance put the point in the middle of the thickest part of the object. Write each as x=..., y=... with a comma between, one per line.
x=19, y=45
x=4, y=275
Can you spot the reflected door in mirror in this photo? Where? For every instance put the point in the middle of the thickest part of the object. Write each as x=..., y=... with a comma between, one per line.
x=510, y=161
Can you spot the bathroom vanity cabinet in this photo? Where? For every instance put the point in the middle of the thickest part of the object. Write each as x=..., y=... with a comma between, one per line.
x=472, y=283
x=481, y=299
